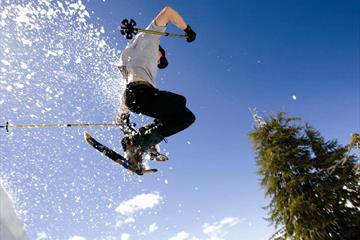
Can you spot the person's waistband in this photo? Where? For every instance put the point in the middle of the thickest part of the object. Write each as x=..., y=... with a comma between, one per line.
x=137, y=83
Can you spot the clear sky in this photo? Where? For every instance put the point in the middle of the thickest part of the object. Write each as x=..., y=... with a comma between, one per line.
x=57, y=66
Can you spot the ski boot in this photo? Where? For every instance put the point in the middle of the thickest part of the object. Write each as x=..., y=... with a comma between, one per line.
x=135, y=145
x=132, y=153
x=155, y=154
x=154, y=150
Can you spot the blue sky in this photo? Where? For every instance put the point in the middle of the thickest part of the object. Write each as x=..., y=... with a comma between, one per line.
x=247, y=54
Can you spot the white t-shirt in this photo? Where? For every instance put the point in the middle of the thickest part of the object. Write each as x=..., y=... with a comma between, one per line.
x=140, y=55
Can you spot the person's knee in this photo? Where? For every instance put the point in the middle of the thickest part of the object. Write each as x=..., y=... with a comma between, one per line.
x=190, y=118
x=182, y=100
x=163, y=17
x=178, y=100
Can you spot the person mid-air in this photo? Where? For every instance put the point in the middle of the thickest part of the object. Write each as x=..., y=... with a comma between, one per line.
x=138, y=64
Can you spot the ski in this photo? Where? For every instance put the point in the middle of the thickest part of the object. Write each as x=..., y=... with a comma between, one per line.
x=116, y=157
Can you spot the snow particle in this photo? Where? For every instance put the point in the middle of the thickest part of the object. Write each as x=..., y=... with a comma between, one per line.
x=9, y=88
x=5, y=62
x=153, y=227
x=23, y=65
x=19, y=85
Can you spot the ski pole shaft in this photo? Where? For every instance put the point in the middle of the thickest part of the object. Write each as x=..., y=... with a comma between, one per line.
x=128, y=30
x=30, y=126
x=161, y=33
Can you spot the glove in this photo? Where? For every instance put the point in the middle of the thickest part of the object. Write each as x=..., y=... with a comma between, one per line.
x=190, y=34
x=123, y=118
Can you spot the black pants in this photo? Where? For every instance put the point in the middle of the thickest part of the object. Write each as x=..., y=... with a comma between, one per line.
x=166, y=107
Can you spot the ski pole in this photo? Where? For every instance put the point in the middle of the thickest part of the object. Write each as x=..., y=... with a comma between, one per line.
x=129, y=30
x=7, y=126
x=161, y=33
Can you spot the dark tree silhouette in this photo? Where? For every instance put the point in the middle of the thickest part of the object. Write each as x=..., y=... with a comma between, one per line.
x=309, y=200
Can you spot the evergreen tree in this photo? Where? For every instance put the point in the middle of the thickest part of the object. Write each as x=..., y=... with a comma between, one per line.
x=311, y=202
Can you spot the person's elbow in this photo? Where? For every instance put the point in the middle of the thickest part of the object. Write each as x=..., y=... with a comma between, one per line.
x=167, y=10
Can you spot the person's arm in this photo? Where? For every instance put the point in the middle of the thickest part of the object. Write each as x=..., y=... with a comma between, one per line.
x=170, y=15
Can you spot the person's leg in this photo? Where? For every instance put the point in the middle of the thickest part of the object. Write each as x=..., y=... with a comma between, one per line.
x=169, y=110
x=178, y=122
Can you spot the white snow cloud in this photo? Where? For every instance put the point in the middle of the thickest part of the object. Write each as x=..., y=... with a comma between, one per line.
x=122, y=222
x=153, y=227
x=138, y=203
x=183, y=236
x=129, y=220
x=41, y=236
x=127, y=209
x=76, y=238
x=218, y=230
x=125, y=236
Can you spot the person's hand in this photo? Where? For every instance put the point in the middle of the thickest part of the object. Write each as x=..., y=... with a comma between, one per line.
x=122, y=118
x=190, y=34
